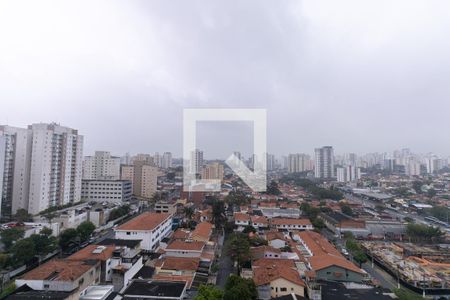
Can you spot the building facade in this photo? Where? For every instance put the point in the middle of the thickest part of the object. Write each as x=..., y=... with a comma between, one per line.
x=56, y=166
x=101, y=166
x=324, y=162
x=106, y=190
x=15, y=159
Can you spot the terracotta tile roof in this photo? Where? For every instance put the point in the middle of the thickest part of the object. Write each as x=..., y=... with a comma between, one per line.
x=146, y=221
x=259, y=252
x=241, y=217
x=180, y=263
x=268, y=270
x=324, y=253
x=317, y=244
x=59, y=270
x=102, y=253
x=186, y=246
x=288, y=221
x=267, y=204
x=202, y=230
x=259, y=220
x=274, y=235
x=181, y=234
x=324, y=261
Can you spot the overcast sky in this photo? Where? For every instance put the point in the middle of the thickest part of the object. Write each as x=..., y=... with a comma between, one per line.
x=363, y=76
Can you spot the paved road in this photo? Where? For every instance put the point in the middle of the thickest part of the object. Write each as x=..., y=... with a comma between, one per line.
x=386, y=280
x=225, y=267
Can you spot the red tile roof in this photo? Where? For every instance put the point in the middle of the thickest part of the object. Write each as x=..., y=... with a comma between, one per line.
x=102, y=253
x=267, y=270
x=59, y=270
x=186, y=246
x=146, y=221
x=288, y=221
x=180, y=263
x=202, y=230
x=241, y=217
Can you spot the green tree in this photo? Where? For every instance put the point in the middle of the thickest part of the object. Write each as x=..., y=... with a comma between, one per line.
x=417, y=186
x=85, y=230
x=4, y=260
x=404, y=294
x=67, y=238
x=209, y=292
x=248, y=229
x=237, y=198
x=431, y=193
x=10, y=236
x=346, y=209
x=218, y=213
x=272, y=188
x=44, y=242
x=238, y=288
x=119, y=212
x=423, y=233
x=23, y=251
x=188, y=212
x=360, y=257
x=238, y=249
x=22, y=215
x=408, y=220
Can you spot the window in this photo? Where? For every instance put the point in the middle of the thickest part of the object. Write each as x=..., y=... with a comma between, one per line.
x=283, y=289
x=46, y=286
x=128, y=233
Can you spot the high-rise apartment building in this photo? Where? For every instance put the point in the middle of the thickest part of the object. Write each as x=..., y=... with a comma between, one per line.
x=212, y=171
x=324, y=162
x=298, y=163
x=56, y=166
x=167, y=160
x=101, y=166
x=348, y=173
x=15, y=159
x=270, y=162
x=196, y=162
x=143, y=177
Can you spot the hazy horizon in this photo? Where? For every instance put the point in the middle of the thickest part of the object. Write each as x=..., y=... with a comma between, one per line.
x=363, y=77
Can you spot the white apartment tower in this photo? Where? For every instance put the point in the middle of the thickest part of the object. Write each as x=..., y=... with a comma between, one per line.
x=101, y=166
x=196, y=162
x=15, y=153
x=348, y=173
x=324, y=162
x=56, y=166
x=167, y=160
x=298, y=163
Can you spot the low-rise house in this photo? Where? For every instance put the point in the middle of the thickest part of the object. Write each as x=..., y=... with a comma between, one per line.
x=120, y=260
x=259, y=222
x=277, y=277
x=185, y=249
x=265, y=252
x=326, y=261
x=202, y=232
x=149, y=227
x=276, y=239
x=291, y=224
x=61, y=275
x=241, y=220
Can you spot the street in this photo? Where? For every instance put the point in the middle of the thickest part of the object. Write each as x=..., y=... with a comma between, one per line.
x=225, y=265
